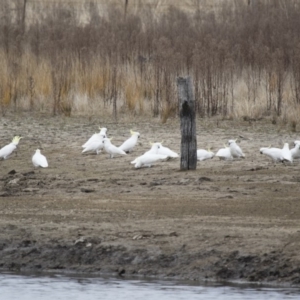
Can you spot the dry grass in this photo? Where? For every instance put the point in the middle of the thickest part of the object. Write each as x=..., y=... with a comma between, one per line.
x=89, y=58
x=133, y=96
x=83, y=91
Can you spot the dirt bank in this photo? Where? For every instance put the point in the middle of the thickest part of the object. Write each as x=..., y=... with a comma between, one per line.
x=227, y=220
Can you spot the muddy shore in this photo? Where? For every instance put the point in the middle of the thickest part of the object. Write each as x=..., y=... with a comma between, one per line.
x=235, y=220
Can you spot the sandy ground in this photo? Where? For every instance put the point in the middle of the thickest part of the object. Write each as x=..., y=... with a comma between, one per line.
x=236, y=220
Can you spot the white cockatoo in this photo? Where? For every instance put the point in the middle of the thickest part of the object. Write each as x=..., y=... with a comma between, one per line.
x=166, y=151
x=148, y=159
x=296, y=151
x=39, y=160
x=296, y=142
x=8, y=149
x=235, y=150
x=203, y=154
x=224, y=153
x=154, y=148
x=95, y=137
x=96, y=144
x=130, y=143
x=112, y=149
x=286, y=153
x=274, y=153
x=158, y=148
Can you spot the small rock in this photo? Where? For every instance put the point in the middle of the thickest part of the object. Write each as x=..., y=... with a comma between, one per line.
x=93, y=179
x=155, y=183
x=121, y=272
x=4, y=194
x=88, y=245
x=12, y=172
x=87, y=190
x=28, y=173
x=204, y=179
x=26, y=243
x=173, y=233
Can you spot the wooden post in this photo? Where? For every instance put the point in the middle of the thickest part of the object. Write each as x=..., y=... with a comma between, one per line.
x=188, y=160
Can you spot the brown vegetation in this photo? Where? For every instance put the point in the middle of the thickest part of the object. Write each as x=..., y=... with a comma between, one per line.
x=244, y=58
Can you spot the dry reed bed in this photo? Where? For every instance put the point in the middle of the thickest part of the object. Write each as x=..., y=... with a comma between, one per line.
x=99, y=58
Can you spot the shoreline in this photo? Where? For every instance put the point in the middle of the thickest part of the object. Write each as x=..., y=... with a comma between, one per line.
x=206, y=282
x=128, y=272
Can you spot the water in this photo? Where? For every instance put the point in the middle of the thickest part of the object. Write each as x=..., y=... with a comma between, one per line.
x=74, y=287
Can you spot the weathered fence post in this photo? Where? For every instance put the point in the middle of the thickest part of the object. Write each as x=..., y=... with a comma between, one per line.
x=188, y=160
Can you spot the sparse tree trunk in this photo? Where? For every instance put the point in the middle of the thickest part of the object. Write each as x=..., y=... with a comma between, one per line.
x=114, y=87
x=279, y=93
x=23, y=16
x=22, y=24
x=56, y=92
x=157, y=93
x=31, y=92
x=188, y=160
x=125, y=8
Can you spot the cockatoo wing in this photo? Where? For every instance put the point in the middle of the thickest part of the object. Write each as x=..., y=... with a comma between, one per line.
x=166, y=151
x=90, y=140
x=96, y=144
x=224, y=153
x=115, y=150
x=94, y=138
x=286, y=153
x=235, y=150
x=148, y=159
x=112, y=149
x=39, y=160
x=129, y=144
x=203, y=154
x=7, y=150
x=274, y=153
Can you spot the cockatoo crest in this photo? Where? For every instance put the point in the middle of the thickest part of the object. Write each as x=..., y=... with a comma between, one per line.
x=16, y=139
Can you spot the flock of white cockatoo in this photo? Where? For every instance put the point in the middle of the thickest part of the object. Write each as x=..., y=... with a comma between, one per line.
x=38, y=159
x=99, y=141
x=282, y=155
x=233, y=151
